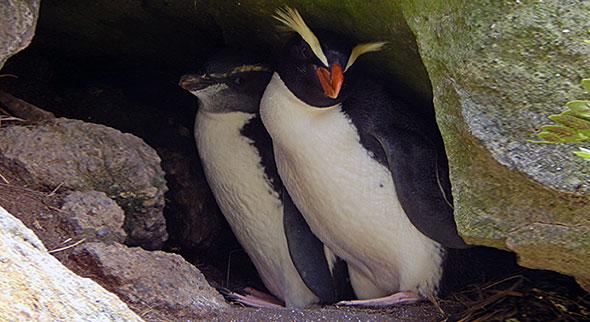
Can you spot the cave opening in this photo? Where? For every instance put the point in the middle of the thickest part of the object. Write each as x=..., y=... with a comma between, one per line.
x=119, y=66
x=123, y=72
x=136, y=93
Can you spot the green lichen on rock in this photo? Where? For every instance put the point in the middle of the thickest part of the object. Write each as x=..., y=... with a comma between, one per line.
x=553, y=247
x=498, y=69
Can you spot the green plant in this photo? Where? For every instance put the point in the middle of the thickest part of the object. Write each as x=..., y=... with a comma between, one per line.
x=584, y=153
x=572, y=125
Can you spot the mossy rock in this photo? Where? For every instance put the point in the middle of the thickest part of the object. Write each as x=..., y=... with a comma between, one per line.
x=498, y=70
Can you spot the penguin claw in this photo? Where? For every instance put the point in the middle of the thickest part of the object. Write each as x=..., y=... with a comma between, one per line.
x=394, y=299
x=250, y=297
x=227, y=293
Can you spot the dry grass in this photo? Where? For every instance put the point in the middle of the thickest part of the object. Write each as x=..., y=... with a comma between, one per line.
x=67, y=247
x=520, y=299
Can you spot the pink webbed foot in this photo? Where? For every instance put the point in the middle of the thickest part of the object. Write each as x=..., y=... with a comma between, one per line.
x=251, y=297
x=394, y=299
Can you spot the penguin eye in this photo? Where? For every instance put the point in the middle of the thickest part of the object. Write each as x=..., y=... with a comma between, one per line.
x=301, y=50
x=305, y=51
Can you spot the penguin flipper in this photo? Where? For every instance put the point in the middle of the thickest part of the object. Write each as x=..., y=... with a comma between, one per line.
x=420, y=175
x=307, y=252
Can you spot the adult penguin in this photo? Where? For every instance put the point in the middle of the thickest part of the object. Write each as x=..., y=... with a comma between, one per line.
x=368, y=174
x=237, y=158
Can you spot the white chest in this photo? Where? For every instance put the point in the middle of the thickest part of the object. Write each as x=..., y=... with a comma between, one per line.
x=231, y=164
x=347, y=197
x=248, y=202
x=235, y=175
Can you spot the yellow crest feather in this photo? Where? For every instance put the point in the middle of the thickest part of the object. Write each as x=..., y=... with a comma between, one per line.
x=292, y=19
x=363, y=49
x=250, y=68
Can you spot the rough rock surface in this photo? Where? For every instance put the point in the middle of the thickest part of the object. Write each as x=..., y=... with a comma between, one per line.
x=34, y=286
x=17, y=26
x=498, y=70
x=85, y=156
x=162, y=281
x=95, y=216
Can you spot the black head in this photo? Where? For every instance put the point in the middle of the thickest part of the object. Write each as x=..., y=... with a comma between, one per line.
x=317, y=65
x=302, y=71
x=229, y=81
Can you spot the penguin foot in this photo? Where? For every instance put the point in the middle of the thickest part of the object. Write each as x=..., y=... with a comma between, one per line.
x=251, y=297
x=394, y=299
x=263, y=296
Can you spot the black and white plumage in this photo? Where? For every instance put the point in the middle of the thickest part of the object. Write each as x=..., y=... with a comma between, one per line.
x=237, y=157
x=369, y=176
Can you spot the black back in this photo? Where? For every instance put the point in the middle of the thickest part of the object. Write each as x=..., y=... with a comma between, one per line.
x=412, y=149
x=261, y=140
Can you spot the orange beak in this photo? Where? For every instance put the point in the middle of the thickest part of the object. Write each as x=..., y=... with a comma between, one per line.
x=331, y=81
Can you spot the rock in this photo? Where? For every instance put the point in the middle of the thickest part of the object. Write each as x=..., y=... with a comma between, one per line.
x=584, y=283
x=18, y=19
x=34, y=286
x=95, y=216
x=162, y=281
x=498, y=70
x=85, y=156
x=547, y=243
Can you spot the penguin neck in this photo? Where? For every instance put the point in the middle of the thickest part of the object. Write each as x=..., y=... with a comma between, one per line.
x=218, y=101
x=238, y=118
x=280, y=108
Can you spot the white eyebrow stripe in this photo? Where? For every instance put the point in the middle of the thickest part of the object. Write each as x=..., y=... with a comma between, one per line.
x=292, y=19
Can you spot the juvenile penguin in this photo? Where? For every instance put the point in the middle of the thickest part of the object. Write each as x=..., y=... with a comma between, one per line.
x=369, y=176
x=237, y=157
